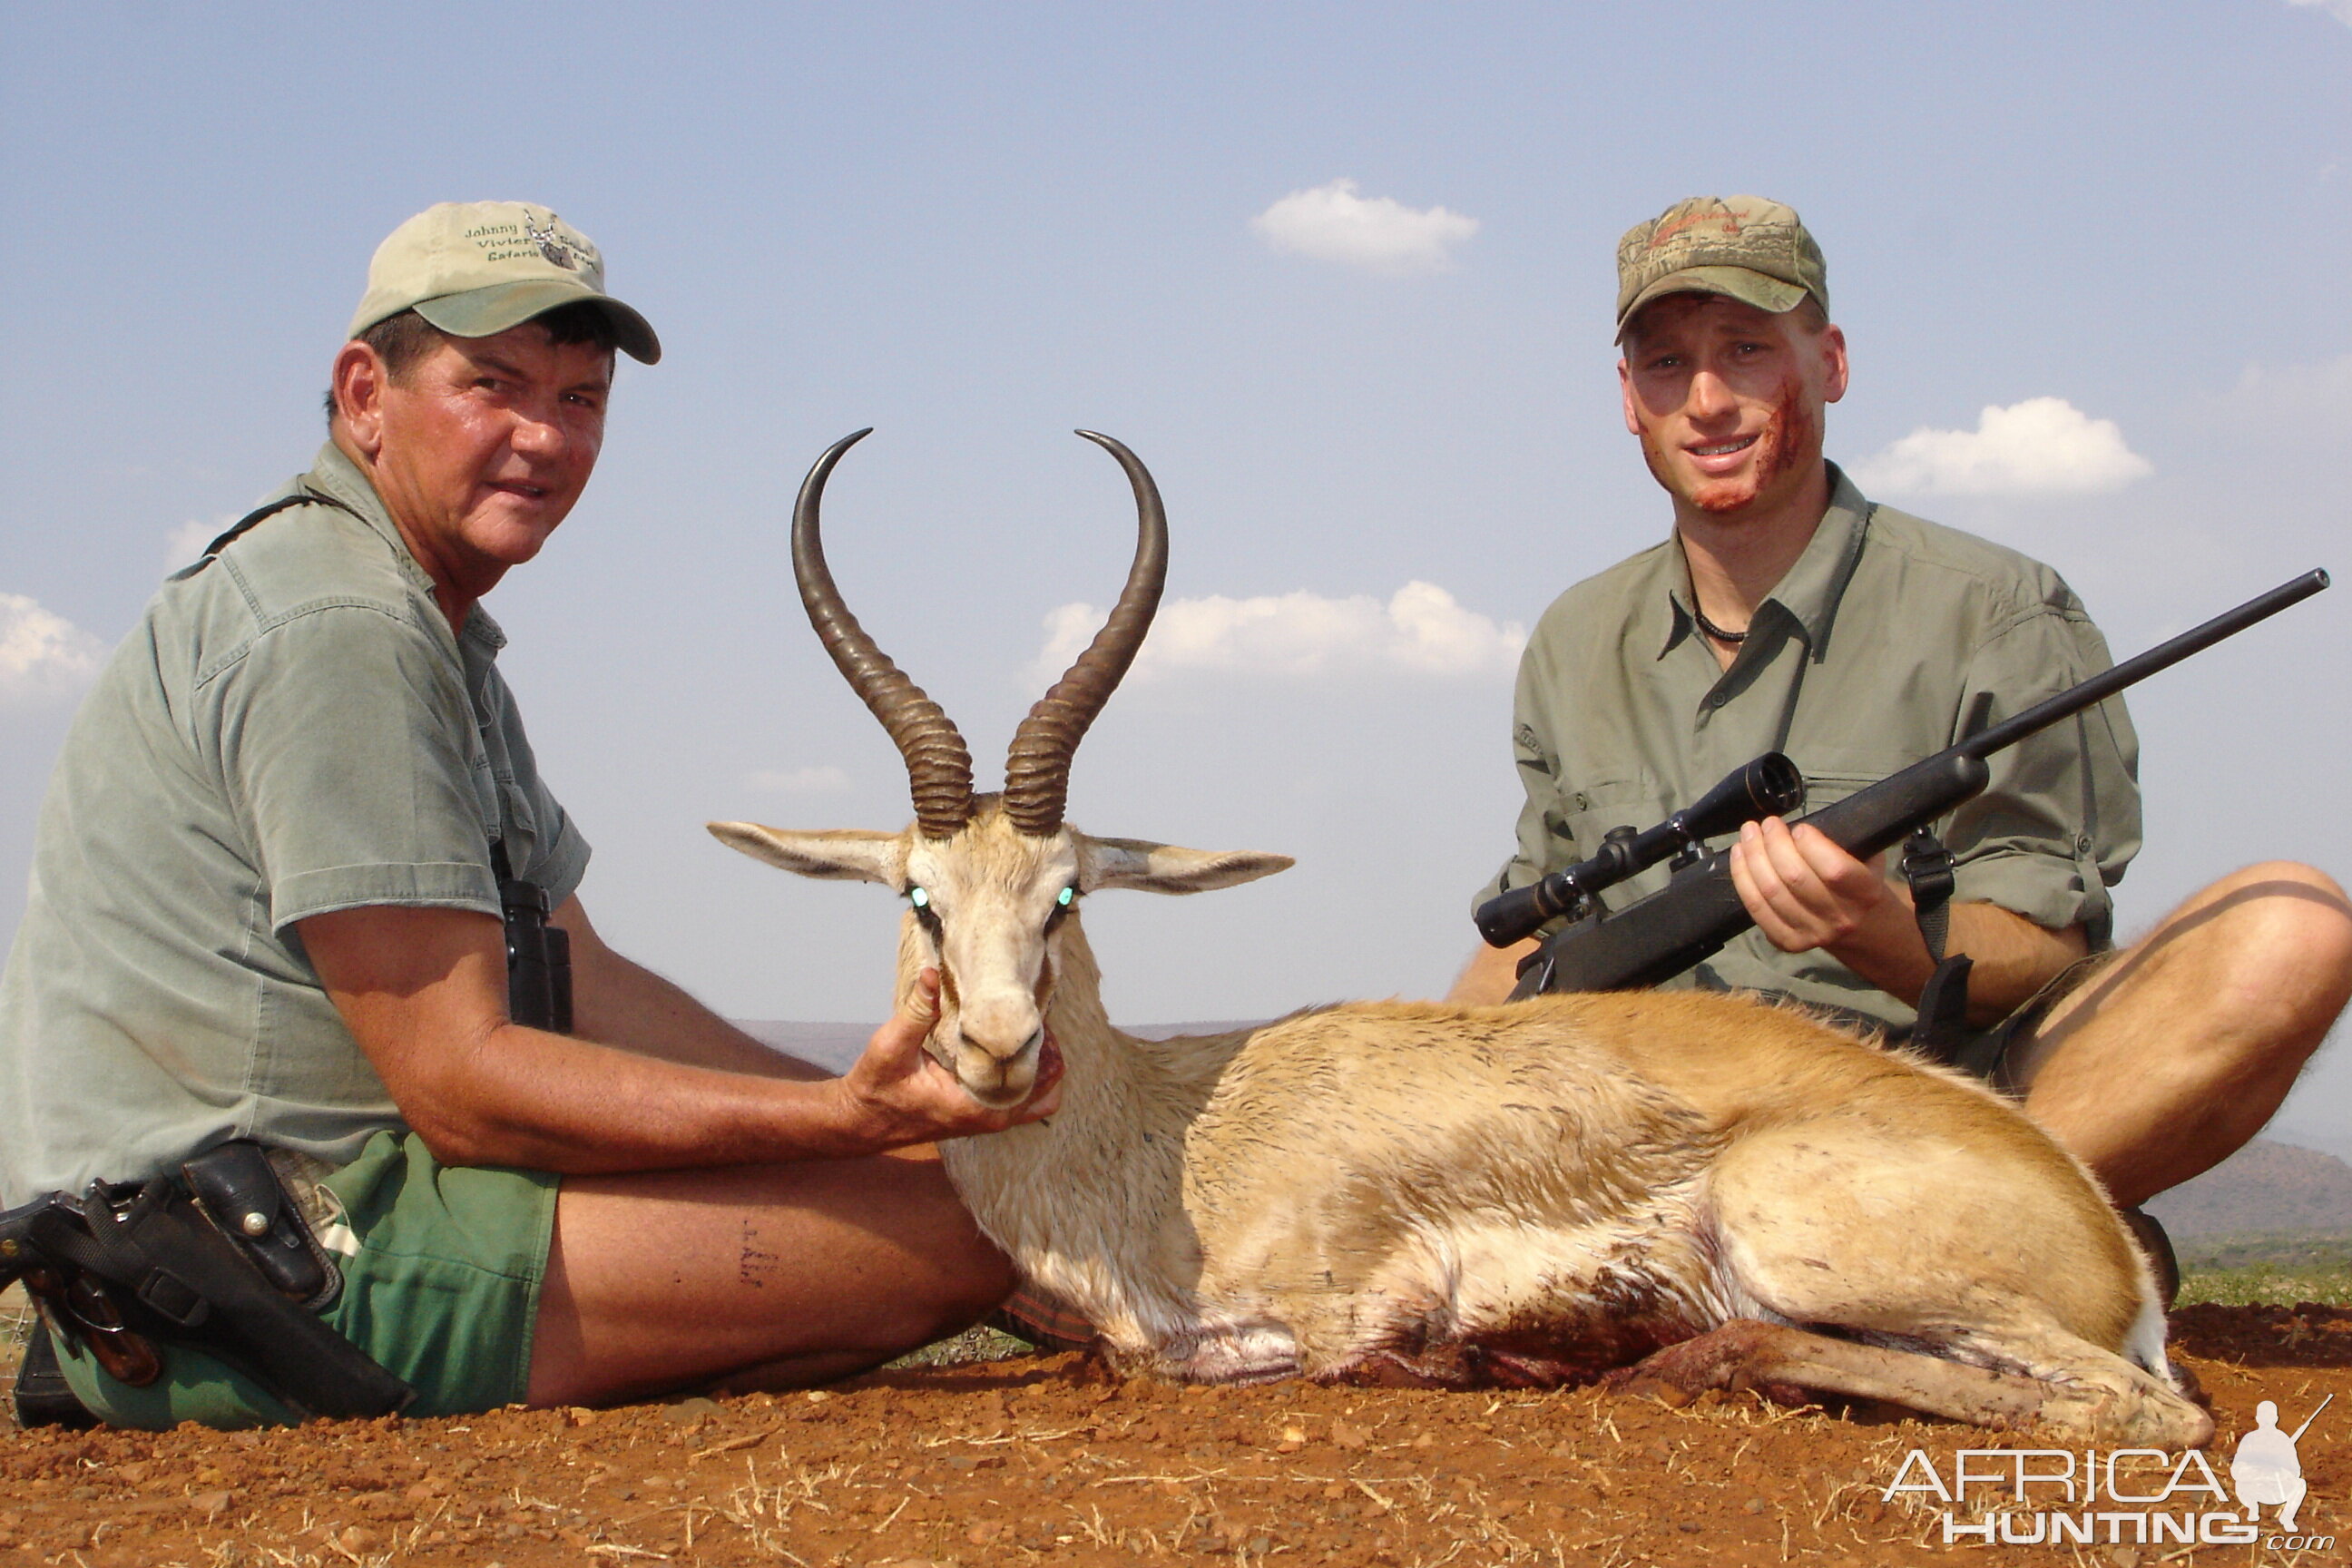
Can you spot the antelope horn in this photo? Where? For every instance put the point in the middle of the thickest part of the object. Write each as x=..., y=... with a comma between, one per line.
x=939, y=766
x=1037, y=772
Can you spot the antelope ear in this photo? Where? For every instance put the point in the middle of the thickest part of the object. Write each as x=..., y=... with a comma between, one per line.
x=1166, y=868
x=846, y=855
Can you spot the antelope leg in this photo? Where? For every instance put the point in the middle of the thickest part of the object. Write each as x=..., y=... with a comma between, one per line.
x=1745, y=1353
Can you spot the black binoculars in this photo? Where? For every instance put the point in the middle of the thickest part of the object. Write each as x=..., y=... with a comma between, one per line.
x=538, y=959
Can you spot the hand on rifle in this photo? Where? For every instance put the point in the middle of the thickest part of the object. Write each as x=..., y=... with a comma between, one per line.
x=1805, y=893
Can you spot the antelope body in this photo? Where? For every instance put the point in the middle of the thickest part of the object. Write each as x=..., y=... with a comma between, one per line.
x=1673, y=1191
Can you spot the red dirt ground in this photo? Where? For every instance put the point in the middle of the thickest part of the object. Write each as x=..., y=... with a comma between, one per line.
x=1049, y=1461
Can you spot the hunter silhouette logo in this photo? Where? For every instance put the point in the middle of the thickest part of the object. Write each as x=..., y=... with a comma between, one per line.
x=2124, y=1497
x=2265, y=1471
x=551, y=245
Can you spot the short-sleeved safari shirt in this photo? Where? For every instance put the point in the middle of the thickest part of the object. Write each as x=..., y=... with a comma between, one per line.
x=1889, y=639
x=292, y=729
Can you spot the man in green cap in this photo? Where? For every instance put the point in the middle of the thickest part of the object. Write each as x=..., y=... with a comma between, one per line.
x=267, y=908
x=1785, y=612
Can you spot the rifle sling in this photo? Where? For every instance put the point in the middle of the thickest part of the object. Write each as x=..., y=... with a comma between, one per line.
x=1942, y=1026
x=270, y=509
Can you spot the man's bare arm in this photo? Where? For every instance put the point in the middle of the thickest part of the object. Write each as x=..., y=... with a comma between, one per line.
x=617, y=1001
x=424, y=992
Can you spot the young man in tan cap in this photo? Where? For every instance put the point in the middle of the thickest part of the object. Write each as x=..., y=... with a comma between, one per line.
x=268, y=908
x=1787, y=613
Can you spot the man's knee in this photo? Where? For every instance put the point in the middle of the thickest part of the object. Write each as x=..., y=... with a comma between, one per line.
x=2276, y=932
x=2288, y=879
x=964, y=1275
x=960, y=1299
x=2297, y=926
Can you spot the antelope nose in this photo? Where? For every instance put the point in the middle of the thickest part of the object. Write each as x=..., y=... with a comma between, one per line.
x=1003, y=1031
x=1004, y=1053
x=997, y=1064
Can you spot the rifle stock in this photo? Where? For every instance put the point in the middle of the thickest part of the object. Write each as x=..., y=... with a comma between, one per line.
x=1699, y=910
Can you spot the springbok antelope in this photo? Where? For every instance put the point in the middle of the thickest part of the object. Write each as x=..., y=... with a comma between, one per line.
x=1678, y=1191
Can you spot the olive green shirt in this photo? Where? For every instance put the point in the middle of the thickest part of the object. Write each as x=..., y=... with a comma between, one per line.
x=292, y=729
x=1889, y=639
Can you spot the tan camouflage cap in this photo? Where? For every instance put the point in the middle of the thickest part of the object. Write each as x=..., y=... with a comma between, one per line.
x=1756, y=251
x=474, y=268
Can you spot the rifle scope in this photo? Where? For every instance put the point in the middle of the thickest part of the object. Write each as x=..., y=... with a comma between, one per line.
x=1768, y=786
x=1657, y=938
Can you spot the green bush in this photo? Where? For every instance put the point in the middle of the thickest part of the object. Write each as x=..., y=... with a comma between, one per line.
x=2258, y=1269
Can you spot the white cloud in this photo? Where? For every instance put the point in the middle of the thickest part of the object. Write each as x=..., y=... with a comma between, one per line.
x=44, y=658
x=1379, y=233
x=2339, y=9
x=1420, y=630
x=821, y=779
x=2043, y=446
x=2296, y=398
x=186, y=543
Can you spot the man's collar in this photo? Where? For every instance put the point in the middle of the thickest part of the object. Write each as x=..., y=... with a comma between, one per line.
x=1679, y=621
x=1811, y=589
x=1808, y=592
x=336, y=475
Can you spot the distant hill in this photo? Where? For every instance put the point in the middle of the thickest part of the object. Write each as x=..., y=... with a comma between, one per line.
x=2265, y=1188
x=2327, y=1136
x=830, y=1046
x=835, y=1045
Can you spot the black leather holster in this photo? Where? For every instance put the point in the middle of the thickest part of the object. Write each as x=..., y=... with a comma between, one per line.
x=123, y=1270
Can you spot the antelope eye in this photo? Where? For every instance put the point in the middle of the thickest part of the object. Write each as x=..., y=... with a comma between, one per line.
x=1067, y=895
x=919, y=897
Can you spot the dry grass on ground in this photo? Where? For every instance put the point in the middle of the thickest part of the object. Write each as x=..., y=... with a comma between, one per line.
x=1050, y=1460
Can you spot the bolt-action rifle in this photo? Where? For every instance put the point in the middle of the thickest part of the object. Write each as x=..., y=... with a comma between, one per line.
x=1699, y=910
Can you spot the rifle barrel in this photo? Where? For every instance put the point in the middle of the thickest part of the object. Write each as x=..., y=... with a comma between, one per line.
x=1693, y=916
x=2101, y=687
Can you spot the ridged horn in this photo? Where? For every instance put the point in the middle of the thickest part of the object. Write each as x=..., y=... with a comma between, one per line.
x=939, y=764
x=1037, y=770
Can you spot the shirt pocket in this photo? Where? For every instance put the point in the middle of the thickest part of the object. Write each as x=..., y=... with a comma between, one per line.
x=1639, y=802
x=1828, y=788
x=1830, y=779
x=1590, y=809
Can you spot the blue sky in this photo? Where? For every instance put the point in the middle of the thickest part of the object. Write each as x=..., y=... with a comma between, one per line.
x=975, y=228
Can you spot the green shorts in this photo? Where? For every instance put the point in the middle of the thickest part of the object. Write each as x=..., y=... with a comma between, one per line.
x=443, y=1290
x=1985, y=1054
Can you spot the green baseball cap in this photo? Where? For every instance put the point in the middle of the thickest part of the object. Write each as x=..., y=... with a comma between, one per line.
x=1755, y=251
x=475, y=268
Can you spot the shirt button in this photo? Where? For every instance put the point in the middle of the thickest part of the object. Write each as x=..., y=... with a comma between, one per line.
x=2082, y=843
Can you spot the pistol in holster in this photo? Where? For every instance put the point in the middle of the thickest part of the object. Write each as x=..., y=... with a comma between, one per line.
x=221, y=1261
